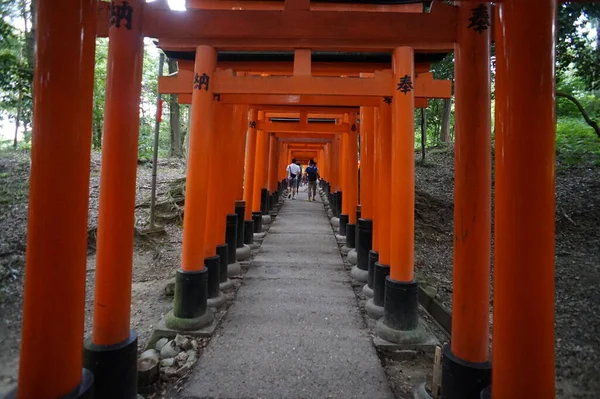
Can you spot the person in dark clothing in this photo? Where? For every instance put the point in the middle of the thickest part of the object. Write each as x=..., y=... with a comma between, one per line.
x=312, y=173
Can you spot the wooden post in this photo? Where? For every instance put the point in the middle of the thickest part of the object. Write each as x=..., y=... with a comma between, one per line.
x=403, y=167
x=261, y=166
x=384, y=156
x=366, y=161
x=250, y=161
x=466, y=367
x=58, y=202
x=351, y=166
x=273, y=162
x=523, y=336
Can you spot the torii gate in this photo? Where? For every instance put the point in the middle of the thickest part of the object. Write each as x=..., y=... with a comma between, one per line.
x=523, y=339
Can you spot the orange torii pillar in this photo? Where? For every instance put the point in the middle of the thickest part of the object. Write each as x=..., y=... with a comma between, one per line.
x=400, y=323
x=54, y=298
x=249, y=176
x=467, y=369
x=343, y=165
x=273, y=167
x=523, y=332
x=190, y=310
x=364, y=233
x=260, y=215
x=111, y=351
x=242, y=252
x=382, y=200
x=216, y=167
x=336, y=180
x=351, y=196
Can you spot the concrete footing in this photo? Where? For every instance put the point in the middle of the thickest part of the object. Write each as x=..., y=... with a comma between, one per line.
x=359, y=274
x=206, y=328
x=373, y=311
x=217, y=301
x=188, y=324
x=234, y=269
x=241, y=253
x=266, y=219
x=227, y=285
x=353, y=257
x=391, y=339
x=367, y=291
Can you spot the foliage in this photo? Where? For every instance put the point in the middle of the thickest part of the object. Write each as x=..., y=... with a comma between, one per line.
x=576, y=143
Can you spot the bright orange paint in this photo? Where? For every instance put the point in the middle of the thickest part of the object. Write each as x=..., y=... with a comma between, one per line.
x=116, y=213
x=273, y=162
x=217, y=175
x=384, y=211
x=472, y=193
x=523, y=335
x=240, y=128
x=351, y=193
x=403, y=171
x=376, y=165
x=57, y=223
x=197, y=185
x=366, y=162
x=261, y=166
x=250, y=162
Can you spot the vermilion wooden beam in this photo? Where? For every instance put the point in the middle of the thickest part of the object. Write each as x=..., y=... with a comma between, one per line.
x=286, y=68
x=291, y=135
x=302, y=140
x=300, y=102
x=292, y=29
x=302, y=127
x=274, y=5
x=381, y=85
x=297, y=115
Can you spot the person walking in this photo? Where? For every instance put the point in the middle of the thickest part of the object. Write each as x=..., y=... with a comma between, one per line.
x=293, y=175
x=312, y=173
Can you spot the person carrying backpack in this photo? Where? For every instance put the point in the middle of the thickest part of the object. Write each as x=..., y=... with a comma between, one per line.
x=312, y=172
x=293, y=175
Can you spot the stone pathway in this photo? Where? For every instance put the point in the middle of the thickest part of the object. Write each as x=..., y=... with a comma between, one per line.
x=294, y=330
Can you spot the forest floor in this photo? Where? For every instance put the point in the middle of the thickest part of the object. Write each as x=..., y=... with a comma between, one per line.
x=157, y=258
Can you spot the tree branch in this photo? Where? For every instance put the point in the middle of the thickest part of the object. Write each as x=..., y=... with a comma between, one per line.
x=590, y=122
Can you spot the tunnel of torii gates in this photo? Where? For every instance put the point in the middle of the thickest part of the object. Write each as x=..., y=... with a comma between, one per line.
x=267, y=81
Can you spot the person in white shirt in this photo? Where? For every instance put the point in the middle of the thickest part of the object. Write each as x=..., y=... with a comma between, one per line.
x=293, y=174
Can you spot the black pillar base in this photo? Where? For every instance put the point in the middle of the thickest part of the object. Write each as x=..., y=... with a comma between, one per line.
x=338, y=203
x=343, y=224
x=462, y=379
x=264, y=201
x=257, y=218
x=401, y=304
x=248, y=232
x=380, y=273
x=213, y=265
x=191, y=293
x=240, y=210
x=114, y=368
x=373, y=258
x=231, y=237
x=364, y=241
x=350, y=235
x=85, y=390
x=223, y=254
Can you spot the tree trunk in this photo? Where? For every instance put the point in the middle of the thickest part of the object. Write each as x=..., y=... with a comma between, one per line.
x=423, y=134
x=18, y=119
x=174, y=117
x=445, y=132
x=30, y=36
